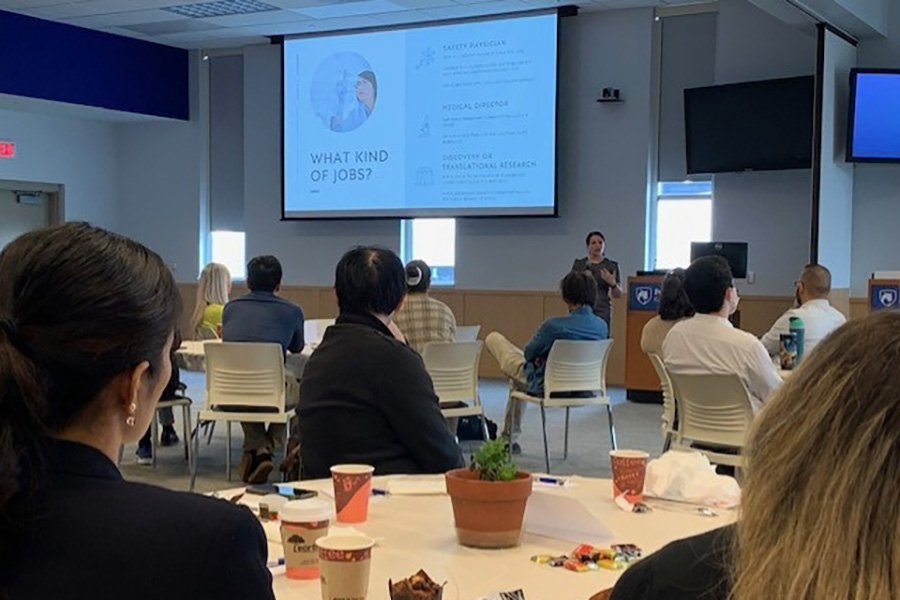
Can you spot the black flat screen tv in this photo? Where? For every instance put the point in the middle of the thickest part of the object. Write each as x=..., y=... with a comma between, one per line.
x=734, y=252
x=874, y=121
x=754, y=126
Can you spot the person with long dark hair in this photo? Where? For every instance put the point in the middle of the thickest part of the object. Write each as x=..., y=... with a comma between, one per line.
x=605, y=273
x=674, y=305
x=87, y=320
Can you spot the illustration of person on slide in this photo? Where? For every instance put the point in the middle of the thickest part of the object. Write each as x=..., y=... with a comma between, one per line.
x=361, y=102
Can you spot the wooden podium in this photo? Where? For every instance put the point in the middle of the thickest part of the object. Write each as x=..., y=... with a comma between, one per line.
x=884, y=294
x=641, y=381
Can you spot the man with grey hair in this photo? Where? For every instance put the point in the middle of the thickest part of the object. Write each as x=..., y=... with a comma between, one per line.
x=819, y=317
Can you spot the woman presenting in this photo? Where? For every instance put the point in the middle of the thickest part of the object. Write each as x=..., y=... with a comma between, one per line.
x=605, y=271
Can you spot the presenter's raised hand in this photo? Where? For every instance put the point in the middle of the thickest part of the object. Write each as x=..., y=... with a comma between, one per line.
x=608, y=277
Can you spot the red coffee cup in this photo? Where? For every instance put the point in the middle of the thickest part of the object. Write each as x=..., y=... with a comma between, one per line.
x=629, y=467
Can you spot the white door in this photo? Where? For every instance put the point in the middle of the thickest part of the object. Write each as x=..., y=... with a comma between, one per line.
x=20, y=215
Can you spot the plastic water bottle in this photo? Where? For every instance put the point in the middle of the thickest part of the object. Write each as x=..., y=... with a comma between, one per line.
x=797, y=328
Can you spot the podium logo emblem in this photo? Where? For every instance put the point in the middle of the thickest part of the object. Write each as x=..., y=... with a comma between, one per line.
x=887, y=297
x=644, y=295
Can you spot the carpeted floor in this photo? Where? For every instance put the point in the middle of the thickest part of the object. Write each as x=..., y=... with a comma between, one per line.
x=637, y=427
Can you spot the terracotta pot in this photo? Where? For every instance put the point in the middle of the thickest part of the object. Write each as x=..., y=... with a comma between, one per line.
x=488, y=514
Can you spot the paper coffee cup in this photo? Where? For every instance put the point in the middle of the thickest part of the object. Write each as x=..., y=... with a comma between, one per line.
x=303, y=522
x=352, y=488
x=628, y=469
x=345, y=562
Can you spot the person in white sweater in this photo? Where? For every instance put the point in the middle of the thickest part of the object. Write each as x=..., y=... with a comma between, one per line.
x=819, y=317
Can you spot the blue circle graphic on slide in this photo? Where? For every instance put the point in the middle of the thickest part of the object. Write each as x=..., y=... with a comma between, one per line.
x=343, y=91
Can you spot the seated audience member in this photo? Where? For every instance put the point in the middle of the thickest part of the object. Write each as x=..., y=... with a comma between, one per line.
x=86, y=324
x=168, y=436
x=526, y=368
x=818, y=316
x=819, y=515
x=423, y=319
x=213, y=288
x=365, y=396
x=709, y=343
x=674, y=305
x=263, y=317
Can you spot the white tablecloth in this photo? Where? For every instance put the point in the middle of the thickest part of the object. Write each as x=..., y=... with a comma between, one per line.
x=416, y=532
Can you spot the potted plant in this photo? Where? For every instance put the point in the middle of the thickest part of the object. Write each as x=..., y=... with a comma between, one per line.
x=489, y=498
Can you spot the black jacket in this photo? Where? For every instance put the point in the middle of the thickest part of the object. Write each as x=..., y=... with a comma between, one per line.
x=96, y=536
x=366, y=398
x=696, y=568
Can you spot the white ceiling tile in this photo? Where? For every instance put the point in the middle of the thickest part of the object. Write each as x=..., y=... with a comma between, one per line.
x=420, y=4
x=547, y=3
x=350, y=9
x=477, y=10
x=17, y=4
x=60, y=11
x=357, y=22
x=187, y=36
x=260, y=18
x=403, y=17
x=123, y=18
x=127, y=33
x=268, y=29
x=101, y=7
x=235, y=42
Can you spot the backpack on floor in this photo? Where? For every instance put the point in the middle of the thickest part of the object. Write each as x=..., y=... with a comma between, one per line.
x=469, y=428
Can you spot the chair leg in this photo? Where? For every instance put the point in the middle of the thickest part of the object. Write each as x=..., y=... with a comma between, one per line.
x=186, y=417
x=192, y=466
x=667, y=444
x=546, y=447
x=484, y=427
x=612, y=428
x=212, y=428
x=228, y=449
x=154, y=436
x=566, y=442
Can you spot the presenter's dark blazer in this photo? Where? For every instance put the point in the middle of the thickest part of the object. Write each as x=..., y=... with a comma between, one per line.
x=94, y=535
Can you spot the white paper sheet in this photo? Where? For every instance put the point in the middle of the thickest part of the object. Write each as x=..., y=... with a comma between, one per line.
x=562, y=518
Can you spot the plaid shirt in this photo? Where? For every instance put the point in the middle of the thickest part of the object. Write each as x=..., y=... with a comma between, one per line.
x=424, y=319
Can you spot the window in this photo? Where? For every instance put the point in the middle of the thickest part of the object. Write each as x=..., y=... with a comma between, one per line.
x=229, y=249
x=683, y=215
x=434, y=241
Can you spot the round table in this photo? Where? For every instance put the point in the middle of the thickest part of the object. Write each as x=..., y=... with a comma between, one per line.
x=416, y=532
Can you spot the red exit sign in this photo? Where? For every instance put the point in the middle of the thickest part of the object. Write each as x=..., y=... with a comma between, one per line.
x=7, y=149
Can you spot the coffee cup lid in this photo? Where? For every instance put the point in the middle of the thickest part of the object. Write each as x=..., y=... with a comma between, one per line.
x=307, y=511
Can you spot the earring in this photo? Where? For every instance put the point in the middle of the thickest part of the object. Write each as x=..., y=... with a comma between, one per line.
x=130, y=419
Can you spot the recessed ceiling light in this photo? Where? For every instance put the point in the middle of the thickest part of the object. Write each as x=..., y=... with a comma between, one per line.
x=220, y=8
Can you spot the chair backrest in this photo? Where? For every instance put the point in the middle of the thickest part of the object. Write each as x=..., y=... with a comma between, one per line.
x=314, y=329
x=244, y=374
x=576, y=366
x=712, y=408
x=453, y=367
x=467, y=333
x=205, y=333
x=668, y=394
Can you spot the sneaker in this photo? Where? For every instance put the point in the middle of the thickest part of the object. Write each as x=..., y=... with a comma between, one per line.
x=262, y=466
x=246, y=465
x=144, y=455
x=168, y=437
x=515, y=449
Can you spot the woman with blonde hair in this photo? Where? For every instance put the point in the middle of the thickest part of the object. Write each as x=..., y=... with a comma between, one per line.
x=212, y=296
x=819, y=516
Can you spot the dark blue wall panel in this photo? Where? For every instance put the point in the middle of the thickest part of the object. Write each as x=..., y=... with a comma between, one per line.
x=54, y=61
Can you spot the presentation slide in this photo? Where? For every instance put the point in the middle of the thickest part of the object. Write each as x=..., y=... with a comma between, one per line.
x=436, y=121
x=876, y=118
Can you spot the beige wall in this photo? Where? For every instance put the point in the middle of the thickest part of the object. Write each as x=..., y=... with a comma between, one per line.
x=518, y=314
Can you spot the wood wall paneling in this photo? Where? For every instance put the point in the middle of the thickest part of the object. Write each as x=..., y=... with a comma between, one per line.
x=517, y=315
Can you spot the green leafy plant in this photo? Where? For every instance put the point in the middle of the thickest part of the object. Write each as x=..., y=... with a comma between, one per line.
x=493, y=462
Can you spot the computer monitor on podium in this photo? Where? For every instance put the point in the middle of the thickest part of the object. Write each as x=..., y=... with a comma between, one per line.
x=734, y=252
